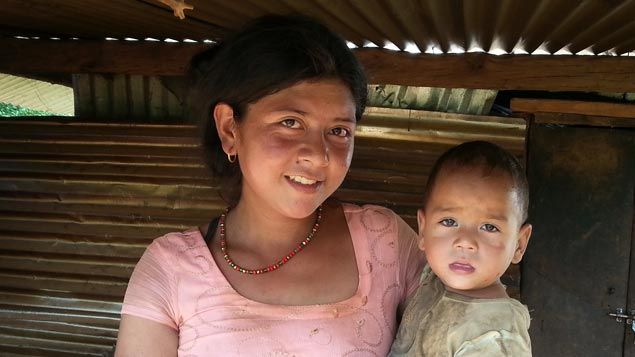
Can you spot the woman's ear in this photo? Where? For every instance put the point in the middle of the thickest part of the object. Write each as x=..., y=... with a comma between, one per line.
x=523, y=240
x=421, y=220
x=226, y=127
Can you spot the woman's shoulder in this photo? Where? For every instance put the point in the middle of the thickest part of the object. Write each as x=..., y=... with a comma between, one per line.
x=172, y=242
x=371, y=218
x=351, y=208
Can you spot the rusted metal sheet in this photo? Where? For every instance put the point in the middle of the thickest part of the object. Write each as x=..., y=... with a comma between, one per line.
x=585, y=27
x=80, y=201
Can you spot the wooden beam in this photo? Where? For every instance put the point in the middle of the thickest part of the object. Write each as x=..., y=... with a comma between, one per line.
x=568, y=112
x=472, y=70
x=123, y=57
x=615, y=110
x=510, y=72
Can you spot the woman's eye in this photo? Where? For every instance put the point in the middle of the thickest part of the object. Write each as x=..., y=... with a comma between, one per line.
x=342, y=132
x=290, y=123
x=448, y=222
x=489, y=228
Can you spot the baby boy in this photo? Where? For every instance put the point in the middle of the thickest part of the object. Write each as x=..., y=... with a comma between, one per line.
x=471, y=227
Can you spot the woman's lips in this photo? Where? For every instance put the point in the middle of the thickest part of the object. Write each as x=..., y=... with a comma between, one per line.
x=303, y=187
x=462, y=268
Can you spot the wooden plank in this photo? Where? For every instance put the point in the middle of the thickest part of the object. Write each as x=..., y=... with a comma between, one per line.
x=102, y=89
x=582, y=120
x=173, y=104
x=155, y=98
x=117, y=57
x=68, y=264
x=120, y=104
x=61, y=302
x=475, y=70
x=84, y=104
x=113, y=287
x=57, y=326
x=136, y=94
x=59, y=313
x=615, y=110
x=109, y=205
x=48, y=126
x=170, y=189
x=89, y=226
x=96, y=139
x=471, y=70
x=54, y=344
x=19, y=147
x=182, y=162
x=80, y=245
x=35, y=331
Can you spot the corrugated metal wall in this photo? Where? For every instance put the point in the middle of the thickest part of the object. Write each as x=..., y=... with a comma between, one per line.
x=80, y=201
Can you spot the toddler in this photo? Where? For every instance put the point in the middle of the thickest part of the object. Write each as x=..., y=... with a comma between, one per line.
x=471, y=227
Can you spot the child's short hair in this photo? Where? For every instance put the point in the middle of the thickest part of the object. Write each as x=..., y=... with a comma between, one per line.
x=489, y=157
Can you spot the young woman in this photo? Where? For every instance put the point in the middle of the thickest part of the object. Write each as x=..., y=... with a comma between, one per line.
x=286, y=271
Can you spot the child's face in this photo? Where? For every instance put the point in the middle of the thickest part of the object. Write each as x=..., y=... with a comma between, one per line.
x=471, y=228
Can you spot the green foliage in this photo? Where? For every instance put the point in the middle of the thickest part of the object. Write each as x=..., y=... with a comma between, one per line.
x=10, y=110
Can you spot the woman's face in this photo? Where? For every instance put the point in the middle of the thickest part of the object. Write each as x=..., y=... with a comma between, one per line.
x=295, y=146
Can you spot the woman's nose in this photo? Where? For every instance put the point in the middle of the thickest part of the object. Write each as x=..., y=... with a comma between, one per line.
x=315, y=150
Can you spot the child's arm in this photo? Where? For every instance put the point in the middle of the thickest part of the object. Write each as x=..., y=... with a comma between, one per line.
x=496, y=344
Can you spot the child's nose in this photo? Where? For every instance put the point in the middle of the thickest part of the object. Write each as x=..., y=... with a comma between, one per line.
x=465, y=241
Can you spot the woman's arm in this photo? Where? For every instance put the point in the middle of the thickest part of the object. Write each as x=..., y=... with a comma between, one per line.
x=139, y=337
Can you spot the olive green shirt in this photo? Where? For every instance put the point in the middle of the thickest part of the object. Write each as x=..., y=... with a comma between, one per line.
x=437, y=322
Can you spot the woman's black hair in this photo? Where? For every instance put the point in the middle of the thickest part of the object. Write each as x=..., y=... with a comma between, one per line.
x=269, y=54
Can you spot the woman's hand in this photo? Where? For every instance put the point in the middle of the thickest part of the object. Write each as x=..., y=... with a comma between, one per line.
x=140, y=337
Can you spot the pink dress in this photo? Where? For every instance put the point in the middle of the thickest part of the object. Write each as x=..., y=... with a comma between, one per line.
x=178, y=283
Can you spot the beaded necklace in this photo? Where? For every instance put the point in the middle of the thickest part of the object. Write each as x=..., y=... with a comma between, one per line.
x=274, y=266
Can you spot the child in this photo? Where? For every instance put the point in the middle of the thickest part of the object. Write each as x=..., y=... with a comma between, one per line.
x=471, y=227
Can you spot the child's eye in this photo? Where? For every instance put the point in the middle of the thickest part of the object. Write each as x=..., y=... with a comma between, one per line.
x=341, y=132
x=448, y=222
x=290, y=123
x=489, y=228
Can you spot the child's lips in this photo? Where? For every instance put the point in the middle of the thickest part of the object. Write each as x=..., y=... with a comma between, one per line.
x=461, y=268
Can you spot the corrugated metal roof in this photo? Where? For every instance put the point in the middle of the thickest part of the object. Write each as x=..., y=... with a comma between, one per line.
x=34, y=94
x=495, y=26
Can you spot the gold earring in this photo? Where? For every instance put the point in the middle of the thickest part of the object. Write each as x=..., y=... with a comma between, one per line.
x=231, y=158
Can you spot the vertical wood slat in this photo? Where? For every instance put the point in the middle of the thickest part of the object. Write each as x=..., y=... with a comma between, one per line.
x=125, y=96
x=120, y=102
x=102, y=96
x=137, y=96
x=83, y=98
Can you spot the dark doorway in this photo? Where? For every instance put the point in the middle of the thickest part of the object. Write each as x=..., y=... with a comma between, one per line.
x=579, y=265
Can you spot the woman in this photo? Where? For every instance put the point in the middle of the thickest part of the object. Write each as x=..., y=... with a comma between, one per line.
x=285, y=271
